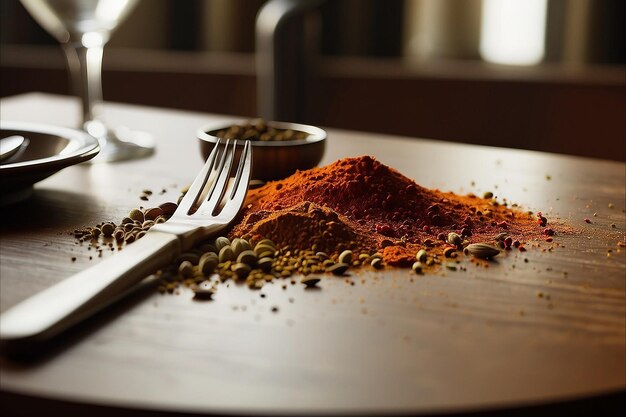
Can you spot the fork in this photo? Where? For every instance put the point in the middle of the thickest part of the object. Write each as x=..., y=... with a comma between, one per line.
x=205, y=210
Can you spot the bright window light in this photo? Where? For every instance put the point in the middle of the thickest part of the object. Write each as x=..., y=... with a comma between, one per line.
x=513, y=31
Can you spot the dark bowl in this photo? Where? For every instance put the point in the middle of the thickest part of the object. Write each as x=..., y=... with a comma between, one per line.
x=48, y=150
x=273, y=160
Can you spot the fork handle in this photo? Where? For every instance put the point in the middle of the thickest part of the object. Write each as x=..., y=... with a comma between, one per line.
x=58, y=307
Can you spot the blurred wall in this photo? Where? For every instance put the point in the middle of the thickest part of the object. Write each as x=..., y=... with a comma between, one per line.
x=407, y=67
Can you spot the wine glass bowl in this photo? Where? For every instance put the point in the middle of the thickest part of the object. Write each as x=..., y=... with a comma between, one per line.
x=83, y=27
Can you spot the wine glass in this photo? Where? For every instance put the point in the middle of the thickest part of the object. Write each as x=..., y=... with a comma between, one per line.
x=83, y=27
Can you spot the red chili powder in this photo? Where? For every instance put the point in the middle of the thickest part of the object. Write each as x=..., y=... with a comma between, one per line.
x=359, y=203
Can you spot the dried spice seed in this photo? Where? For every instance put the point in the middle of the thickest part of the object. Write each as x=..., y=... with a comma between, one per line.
x=185, y=269
x=242, y=270
x=454, y=239
x=377, y=263
x=107, y=229
x=203, y=293
x=417, y=267
x=118, y=235
x=338, y=269
x=267, y=242
x=153, y=213
x=482, y=250
x=221, y=242
x=345, y=257
x=226, y=254
x=245, y=244
x=451, y=266
x=267, y=254
x=265, y=264
x=501, y=236
x=259, y=130
x=207, y=265
x=168, y=208
x=238, y=246
x=136, y=215
x=247, y=257
x=261, y=249
x=310, y=281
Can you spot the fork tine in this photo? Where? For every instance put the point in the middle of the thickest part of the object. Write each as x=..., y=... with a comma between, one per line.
x=200, y=181
x=244, y=163
x=218, y=188
x=240, y=184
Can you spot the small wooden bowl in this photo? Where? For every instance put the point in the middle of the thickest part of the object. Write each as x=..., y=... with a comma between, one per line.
x=273, y=160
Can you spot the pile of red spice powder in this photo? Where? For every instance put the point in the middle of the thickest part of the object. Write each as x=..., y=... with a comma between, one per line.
x=361, y=204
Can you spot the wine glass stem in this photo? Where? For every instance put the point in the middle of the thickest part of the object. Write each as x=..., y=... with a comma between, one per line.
x=85, y=64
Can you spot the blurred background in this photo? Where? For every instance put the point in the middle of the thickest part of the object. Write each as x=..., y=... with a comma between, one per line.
x=535, y=74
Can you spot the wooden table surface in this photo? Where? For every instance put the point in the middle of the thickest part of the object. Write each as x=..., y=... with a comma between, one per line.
x=481, y=339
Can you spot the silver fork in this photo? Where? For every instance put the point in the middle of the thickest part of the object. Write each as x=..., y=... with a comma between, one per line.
x=57, y=308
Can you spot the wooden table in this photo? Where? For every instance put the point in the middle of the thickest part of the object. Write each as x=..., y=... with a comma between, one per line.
x=516, y=335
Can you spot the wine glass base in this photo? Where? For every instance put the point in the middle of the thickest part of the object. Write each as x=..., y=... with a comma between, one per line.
x=124, y=144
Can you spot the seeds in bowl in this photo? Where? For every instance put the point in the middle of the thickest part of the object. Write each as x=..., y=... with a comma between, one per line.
x=260, y=130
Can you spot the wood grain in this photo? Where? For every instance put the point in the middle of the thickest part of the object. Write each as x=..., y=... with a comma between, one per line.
x=540, y=327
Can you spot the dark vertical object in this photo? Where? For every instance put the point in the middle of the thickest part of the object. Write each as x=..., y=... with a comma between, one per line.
x=347, y=27
x=387, y=26
x=607, y=32
x=285, y=38
x=555, y=30
x=184, y=24
x=8, y=21
x=331, y=28
x=362, y=27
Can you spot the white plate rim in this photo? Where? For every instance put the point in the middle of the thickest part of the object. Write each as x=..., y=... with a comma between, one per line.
x=82, y=143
